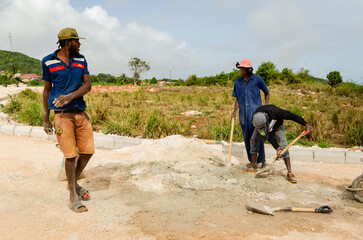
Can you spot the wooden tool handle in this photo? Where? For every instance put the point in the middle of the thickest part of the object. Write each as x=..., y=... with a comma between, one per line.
x=292, y=143
x=230, y=143
x=293, y=209
x=208, y=141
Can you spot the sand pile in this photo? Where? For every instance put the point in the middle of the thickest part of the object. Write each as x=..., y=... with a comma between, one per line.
x=175, y=161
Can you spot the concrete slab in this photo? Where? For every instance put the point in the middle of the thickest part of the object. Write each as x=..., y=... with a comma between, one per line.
x=329, y=156
x=353, y=157
x=304, y=155
x=38, y=132
x=7, y=129
x=104, y=141
x=121, y=142
x=52, y=138
x=23, y=131
x=238, y=151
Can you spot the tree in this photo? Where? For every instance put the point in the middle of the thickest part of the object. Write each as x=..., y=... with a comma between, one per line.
x=288, y=76
x=304, y=75
x=267, y=70
x=137, y=66
x=334, y=78
x=106, y=78
x=192, y=80
x=153, y=81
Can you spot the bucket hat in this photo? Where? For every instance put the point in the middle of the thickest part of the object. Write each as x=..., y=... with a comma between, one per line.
x=245, y=63
x=68, y=33
x=261, y=124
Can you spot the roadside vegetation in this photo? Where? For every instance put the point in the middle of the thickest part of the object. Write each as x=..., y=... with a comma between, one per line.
x=335, y=113
x=333, y=107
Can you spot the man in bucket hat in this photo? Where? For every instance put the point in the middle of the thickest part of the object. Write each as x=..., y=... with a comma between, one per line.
x=67, y=80
x=248, y=99
x=268, y=121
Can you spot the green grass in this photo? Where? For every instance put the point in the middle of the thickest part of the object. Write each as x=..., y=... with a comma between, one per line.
x=335, y=114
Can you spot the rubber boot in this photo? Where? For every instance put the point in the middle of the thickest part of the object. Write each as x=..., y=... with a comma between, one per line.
x=253, y=167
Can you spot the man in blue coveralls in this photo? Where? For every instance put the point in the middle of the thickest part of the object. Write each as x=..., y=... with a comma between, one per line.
x=247, y=91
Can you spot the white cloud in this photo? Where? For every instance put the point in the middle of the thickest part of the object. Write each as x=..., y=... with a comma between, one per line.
x=99, y=15
x=321, y=36
x=277, y=23
x=109, y=45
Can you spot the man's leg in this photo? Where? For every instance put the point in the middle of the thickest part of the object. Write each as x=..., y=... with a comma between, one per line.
x=290, y=176
x=246, y=139
x=81, y=164
x=85, y=145
x=255, y=149
x=254, y=161
x=71, y=177
x=261, y=155
x=282, y=142
x=288, y=164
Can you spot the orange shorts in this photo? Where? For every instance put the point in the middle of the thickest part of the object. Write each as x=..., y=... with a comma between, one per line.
x=74, y=131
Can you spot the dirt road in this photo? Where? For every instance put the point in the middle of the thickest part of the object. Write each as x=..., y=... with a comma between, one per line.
x=145, y=192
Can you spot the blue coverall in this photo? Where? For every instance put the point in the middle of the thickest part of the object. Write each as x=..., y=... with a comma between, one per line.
x=249, y=99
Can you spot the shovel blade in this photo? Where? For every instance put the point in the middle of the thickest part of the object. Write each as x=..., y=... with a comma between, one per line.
x=260, y=208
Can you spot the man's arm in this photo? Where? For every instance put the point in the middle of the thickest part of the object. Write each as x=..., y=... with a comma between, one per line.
x=267, y=98
x=272, y=140
x=82, y=90
x=262, y=85
x=236, y=106
x=296, y=118
x=48, y=127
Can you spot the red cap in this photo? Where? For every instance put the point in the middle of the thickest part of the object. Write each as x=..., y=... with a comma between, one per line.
x=245, y=63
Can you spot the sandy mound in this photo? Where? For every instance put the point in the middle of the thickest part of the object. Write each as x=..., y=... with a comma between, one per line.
x=174, y=161
x=178, y=162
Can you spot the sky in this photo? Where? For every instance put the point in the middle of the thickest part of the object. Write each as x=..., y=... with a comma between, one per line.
x=186, y=37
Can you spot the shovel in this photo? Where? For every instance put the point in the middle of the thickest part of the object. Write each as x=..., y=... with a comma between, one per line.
x=230, y=144
x=262, y=172
x=263, y=209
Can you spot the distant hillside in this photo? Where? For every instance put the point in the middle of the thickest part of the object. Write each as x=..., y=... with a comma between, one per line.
x=18, y=62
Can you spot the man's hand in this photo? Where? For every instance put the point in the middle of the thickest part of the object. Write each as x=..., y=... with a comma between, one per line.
x=233, y=115
x=309, y=128
x=48, y=127
x=62, y=100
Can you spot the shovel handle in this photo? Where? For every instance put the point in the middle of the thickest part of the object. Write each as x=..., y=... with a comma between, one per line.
x=295, y=140
x=292, y=143
x=322, y=209
x=230, y=142
x=293, y=209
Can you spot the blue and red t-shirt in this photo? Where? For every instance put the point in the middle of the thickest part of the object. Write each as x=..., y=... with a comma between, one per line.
x=64, y=79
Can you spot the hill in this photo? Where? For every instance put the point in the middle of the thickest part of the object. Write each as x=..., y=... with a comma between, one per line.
x=14, y=62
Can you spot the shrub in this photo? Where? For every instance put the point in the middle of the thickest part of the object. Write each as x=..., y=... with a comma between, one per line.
x=267, y=70
x=334, y=78
x=288, y=76
x=26, y=107
x=153, y=81
x=34, y=83
x=5, y=80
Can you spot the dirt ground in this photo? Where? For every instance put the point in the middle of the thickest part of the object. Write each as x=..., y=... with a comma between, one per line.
x=173, y=188
x=152, y=192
